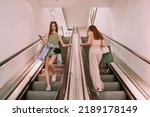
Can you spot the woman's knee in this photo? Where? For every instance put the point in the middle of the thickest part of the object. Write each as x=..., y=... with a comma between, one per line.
x=46, y=63
x=46, y=66
x=50, y=64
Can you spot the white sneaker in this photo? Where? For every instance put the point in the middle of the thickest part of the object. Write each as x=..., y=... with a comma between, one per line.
x=53, y=78
x=99, y=90
x=48, y=88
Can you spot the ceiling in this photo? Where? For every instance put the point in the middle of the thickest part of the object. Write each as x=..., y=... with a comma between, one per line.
x=74, y=3
x=76, y=12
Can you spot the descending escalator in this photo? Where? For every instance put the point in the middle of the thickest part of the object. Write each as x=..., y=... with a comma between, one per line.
x=37, y=88
x=113, y=89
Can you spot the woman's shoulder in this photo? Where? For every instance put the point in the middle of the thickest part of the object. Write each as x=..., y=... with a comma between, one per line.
x=90, y=33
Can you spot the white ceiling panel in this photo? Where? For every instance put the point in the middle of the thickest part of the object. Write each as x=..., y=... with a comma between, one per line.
x=77, y=17
x=74, y=3
x=76, y=12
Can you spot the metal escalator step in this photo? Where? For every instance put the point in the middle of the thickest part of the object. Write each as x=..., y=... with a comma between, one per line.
x=108, y=78
x=111, y=86
x=64, y=53
x=57, y=71
x=41, y=77
x=41, y=86
x=57, y=66
x=103, y=71
x=112, y=95
x=41, y=95
x=63, y=62
x=64, y=49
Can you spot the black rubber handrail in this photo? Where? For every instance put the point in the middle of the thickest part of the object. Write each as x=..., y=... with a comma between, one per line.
x=63, y=87
x=130, y=50
x=81, y=63
x=20, y=51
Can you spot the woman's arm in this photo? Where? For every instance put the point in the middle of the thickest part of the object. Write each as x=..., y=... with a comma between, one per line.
x=45, y=39
x=102, y=44
x=90, y=36
x=62, y=43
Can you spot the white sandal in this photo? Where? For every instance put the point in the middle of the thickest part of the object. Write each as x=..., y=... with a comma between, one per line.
x=53, y=78
x=48, y=88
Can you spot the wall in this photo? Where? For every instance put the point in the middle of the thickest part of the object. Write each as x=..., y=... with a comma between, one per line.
x=60, y=19
x=103, y=21
x=20, y=25
x=53, y=14
x=45, y=21
x=127, y=21
x=76, y=16
x=130, y=24
x=17, y=26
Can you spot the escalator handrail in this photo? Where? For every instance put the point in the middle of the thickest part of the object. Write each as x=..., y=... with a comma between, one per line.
x=129, y=49
x=19, y=52
x=123, y=81
x=63, y=87
x=26, y=80
x=83, y=78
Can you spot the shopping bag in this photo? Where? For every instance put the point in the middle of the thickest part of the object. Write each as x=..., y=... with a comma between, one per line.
x=43, y=53
x=107, y=57
x=105, y=49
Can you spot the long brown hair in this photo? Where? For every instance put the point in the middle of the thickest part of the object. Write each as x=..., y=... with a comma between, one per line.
x=50, y=27
x=96, y=33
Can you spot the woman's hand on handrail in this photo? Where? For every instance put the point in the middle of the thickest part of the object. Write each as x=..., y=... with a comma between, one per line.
x=67, y=45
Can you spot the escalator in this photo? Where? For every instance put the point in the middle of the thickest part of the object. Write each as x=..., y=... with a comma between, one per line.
x=37, y=87
x=113, y=89
x=33, y=83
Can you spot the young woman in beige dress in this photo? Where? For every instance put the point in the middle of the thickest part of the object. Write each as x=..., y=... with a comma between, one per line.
x=96, y=41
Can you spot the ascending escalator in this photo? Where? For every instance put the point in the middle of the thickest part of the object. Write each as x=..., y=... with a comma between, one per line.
x=112, y=87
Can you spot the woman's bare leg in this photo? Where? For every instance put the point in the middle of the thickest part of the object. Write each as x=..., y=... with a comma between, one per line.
x=51, y=61
x=47, y=71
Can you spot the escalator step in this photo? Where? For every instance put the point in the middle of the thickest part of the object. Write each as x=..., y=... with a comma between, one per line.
x=41, y=77
x=57, y=66
x=112, y=95
x=41, y=86
x=57, y=71
x=108, y=78
x=111, y=86
x=104, y=71
x=41, y=95
x=63, y=62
